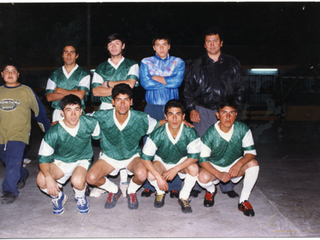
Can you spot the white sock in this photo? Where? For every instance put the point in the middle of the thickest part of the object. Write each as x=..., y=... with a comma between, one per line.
x=123, y=176
x=250, y=178
x=109, y=186
x=189, y=182
x=79, y=193
x=46, y=191
x=210, y=187
x=155, y=184
x=133, y=187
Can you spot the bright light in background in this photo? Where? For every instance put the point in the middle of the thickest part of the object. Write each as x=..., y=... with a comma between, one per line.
x=269, y=70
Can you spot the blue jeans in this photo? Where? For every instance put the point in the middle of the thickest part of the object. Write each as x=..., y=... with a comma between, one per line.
x=12, y=156
x=157, y=112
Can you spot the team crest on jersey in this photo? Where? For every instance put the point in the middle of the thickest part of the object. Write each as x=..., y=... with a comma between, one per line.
x=9, y=104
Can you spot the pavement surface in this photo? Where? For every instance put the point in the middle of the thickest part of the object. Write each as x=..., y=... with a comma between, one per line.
x=285, y=199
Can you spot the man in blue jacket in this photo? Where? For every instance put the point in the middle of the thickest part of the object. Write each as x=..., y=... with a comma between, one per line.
x=160, y=76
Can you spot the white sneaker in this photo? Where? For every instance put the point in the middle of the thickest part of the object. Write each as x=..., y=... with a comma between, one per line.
x=123, y=188
x=96, y=192
x=26, y=160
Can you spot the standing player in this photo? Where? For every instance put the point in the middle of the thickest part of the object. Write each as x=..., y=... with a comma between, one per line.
x=69, y=79
x=116, y=70
x=228, y=153
x=59, y=156
x=121, y=131
x=174, y=149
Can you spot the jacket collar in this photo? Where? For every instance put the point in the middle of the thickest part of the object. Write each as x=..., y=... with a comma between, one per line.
x=159, y=58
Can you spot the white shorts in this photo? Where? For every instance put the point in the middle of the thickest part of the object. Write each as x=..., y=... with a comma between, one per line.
x=56, y=115
x=169, y=166
x=68, y=168
x=226, y=169
x=118, y=164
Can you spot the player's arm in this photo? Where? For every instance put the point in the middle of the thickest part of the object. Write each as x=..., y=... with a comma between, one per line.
x=52, y=186
x=162, y=183
x=222, y=176
x=130, y=82
x=65, y=92
x=236, y=168
x=170, y=174
x=176, y=78
x=159, y=79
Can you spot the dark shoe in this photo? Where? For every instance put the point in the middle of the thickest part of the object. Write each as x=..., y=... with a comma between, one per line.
x=22, y=183
x=209, y=199
x=185, y=206
x=146, y=193
x=112, y=199
x=8, y=198
x=132, y=201
x=232, y=194
x=246, y=208
x=174, y=194
x=159, y=200
x=88, y=191
x=194, y=193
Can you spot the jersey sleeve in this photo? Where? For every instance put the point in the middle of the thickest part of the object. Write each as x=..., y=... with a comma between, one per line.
x=97, y=80
x=134, y=74
x=153, y=124
x=84, y=84
x=248, y=144
x=205, y=152
x=97, y=132
x=194, y=148
x=46, y=152
x=50, y=86
x=149, y=150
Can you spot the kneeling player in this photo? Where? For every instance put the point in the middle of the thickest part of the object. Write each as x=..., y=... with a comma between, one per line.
x=228, y=153
x=65, y=152
x=174, y=149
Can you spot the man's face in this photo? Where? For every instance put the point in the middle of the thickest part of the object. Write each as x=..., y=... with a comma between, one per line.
x=115, y=47
x=227, y=117
x=71, y=114
x=122, y=103
x=10, y=75
x=69, y=55
x=174, y=116
x=213, y=44
x=161, y=47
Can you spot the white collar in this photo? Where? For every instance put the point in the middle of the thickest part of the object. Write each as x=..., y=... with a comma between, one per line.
x=172, y=139
x=121, y=127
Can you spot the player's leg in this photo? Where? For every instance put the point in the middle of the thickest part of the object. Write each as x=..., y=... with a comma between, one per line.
x=57, y=174
x=78, y=181
x=250, y=172
x=205, y=180
x=97, y=176
x=160, y=194
x=140, y=175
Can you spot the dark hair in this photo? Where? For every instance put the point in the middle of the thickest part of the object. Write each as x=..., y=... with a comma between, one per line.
x=213, y=30
x=116, y=36
x=10, y=63
x=121, y=88
x=69, y=100
x=228, y=103
x=160, y=36
x=72, y=44
x=173, y=103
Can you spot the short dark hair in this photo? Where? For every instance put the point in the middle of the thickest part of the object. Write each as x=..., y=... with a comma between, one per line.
x=173, y=103
x=228, y=103
x=213, y=30
x=10, y=63
x=122, y=88
x=160, y=36
x=72, y=44
x=69, y=100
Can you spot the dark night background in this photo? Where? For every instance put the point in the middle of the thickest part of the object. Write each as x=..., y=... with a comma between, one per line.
x=258, y=33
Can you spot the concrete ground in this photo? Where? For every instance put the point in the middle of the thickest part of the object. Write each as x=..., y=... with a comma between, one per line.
x=284, y=199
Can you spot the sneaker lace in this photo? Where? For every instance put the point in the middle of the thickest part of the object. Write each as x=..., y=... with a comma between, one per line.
x=208, y=196
x=159, y=197
x=185, y=202
x=55, y=202
x=81, y=201
x=132, y=197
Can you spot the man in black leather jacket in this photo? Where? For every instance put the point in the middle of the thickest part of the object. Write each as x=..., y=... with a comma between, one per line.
x=204, y=83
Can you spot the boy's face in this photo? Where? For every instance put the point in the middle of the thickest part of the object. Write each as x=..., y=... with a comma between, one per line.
x=227, y=117
x=122, y=103
x=161, y=47
x=115, y=47
x=10, y=75
x=71, y=114
x=174, y=116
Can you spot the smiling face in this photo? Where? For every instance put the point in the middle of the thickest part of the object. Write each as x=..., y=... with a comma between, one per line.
x=213, y=45
x=174, y=116
x=71, y=114
x=122, y=104
x=227, y=117
x=161, y=47
x=10, y=75
x=115, y=47
x=69, y=55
